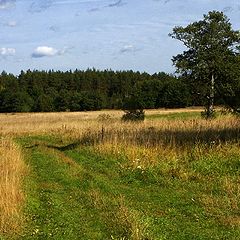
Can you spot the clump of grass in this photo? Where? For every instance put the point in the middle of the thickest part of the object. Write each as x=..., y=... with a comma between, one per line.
x=123, y=222
x=12, y=170
x=130, y=221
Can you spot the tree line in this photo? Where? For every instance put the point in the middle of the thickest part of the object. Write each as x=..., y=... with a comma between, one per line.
x=45, y=91
x=49, y=91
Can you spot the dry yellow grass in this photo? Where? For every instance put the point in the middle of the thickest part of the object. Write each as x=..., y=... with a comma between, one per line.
x=75, y=124
x=27, y=123
x=12, y=169
x=89, y=127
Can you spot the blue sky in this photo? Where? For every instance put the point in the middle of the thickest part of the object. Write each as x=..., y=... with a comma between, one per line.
x=116, y=34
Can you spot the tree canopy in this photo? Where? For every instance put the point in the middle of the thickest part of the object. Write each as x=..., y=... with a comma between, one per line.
x=44, y=91
x=211, y=59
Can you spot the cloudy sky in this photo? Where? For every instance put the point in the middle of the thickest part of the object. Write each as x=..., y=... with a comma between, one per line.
x=116, y=34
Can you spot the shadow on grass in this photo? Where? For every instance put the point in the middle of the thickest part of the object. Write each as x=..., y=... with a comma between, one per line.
x=152, y=137
x=86, y=140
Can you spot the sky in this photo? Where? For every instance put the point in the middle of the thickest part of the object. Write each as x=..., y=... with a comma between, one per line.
x=104, y=34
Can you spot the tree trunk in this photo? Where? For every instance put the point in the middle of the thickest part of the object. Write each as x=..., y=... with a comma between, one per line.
x=210, y=107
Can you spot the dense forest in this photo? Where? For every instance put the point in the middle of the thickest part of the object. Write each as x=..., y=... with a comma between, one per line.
x=45, y=91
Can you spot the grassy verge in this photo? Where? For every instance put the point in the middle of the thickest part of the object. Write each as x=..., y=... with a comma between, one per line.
x=109, y=191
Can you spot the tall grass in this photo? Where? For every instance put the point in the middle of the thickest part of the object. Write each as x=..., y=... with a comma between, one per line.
x=12, y=170
x=155, y=133
x=41, y=123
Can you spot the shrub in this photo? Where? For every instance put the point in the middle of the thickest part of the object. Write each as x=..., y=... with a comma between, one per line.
x=134, y=115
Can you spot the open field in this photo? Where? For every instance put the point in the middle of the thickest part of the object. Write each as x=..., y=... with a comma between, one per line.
x=20, y=123
x=90, y=176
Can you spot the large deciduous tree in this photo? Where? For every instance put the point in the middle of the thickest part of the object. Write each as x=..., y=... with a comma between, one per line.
x=211, y=60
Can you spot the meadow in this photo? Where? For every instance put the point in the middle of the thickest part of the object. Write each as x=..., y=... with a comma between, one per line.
x=87, y=175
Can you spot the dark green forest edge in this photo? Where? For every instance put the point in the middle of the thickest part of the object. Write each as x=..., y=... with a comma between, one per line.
x=45, y=91
x=207, y=73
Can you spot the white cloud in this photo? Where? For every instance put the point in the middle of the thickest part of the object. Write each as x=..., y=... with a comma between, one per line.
x=7, y=51
x=44, y=51
x=12, y=24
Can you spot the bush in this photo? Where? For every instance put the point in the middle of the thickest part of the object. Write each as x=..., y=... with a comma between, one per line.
x=134, y=115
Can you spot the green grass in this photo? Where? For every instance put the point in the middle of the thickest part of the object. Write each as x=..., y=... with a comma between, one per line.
x=82, y=194
x=175, y=116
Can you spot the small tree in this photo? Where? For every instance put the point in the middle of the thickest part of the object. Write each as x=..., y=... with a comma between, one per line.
x=210, y=58
x=133, y=108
